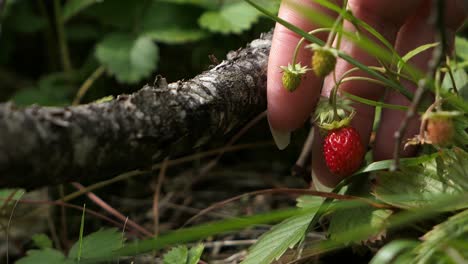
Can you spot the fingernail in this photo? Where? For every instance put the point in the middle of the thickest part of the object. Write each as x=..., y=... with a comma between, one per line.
x=281, y=138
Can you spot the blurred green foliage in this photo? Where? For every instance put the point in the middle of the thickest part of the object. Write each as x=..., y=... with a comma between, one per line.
x=133, y=40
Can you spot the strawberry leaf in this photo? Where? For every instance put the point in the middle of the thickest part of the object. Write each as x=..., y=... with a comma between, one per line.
x=100, y=244
x=231, y=18
x=47, y=255
x=130, y=59
x=450, y=236
x=282, y=236
x=416, y=186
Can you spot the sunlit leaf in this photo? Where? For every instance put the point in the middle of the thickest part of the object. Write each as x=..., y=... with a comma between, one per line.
x=231, y=18
x=416, y=186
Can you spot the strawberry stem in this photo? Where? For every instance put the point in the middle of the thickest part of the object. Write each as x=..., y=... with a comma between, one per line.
x=299, y=43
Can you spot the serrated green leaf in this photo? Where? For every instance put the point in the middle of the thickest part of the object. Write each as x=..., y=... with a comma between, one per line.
x=42, y=241
x=231, y=18
x=194, y=254
x=100, y=244
x=129, y=59
x=287, y=234
x=175, y=35
x=177, y=255
x=461, y=48
x=416, y=186
x=437, y=242
x=344, y=219
x=48, y=255
x=73, y=7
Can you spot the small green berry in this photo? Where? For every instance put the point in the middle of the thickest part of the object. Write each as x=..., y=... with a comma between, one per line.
x=323, y=62
x=292, y=76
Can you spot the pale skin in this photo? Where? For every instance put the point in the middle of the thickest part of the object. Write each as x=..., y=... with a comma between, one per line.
x=402, y=22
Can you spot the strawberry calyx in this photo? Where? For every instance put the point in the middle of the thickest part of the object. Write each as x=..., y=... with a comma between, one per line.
x=329, y=117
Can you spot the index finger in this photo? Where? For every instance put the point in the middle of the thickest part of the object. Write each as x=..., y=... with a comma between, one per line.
x=288, y=111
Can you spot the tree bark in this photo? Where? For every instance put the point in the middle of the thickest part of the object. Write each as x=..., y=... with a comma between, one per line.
x=49, y=145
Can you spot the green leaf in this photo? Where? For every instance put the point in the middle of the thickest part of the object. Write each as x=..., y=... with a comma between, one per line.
x=42, y=241
x=6, y=193
x=175, y=35
x=48, y=255
x=100, y=244
x=394, y=252
x=52, y=90
x=461, y=48
x=22, y=18
x=73, y=7
x=129, y=59
x=413, y=53
x=287, y=234
x=416, y=186
x=177, y=255
x=231, y=18
x=203, y=231
x=119, y=14
x=194, y=254
x=344, y=219
x=443, y=239
x=160, y=16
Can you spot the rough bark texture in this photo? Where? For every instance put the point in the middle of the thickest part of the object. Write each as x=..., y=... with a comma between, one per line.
x=47, y=145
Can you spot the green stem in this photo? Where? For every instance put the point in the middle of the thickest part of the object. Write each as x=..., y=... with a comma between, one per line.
x=87, y=84
x=437, y=89
x=450, y=73
x=64, y=53
x=360, y=78
x=296, y=50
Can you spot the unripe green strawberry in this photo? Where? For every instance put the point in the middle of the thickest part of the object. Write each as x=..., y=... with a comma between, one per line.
x=323, y=62
x=343, y=151
x=292, y=76
x=440, y=130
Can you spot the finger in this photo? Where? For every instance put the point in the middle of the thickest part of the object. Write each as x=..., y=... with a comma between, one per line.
x=288, y=111
x=386, y=17
x=416, y=32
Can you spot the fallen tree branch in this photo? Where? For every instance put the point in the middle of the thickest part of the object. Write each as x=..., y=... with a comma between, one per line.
x=48, y=145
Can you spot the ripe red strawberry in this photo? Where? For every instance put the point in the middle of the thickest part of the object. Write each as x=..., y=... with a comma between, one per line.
x=343, y=151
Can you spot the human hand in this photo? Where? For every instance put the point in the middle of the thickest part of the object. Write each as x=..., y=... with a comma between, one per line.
x=402, y=22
